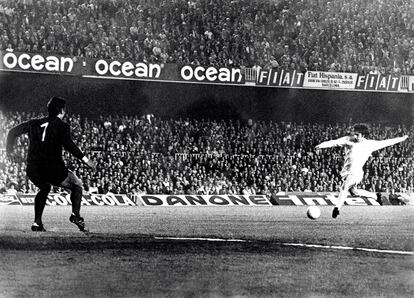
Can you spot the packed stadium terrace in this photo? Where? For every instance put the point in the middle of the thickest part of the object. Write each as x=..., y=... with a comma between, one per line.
x=341, y=35
x=138, y=155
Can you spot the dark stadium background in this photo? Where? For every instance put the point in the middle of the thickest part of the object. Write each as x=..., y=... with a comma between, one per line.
x=95, y=97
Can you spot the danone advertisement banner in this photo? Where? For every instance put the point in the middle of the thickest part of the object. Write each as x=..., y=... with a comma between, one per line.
x=124, y=69
x=204, y=200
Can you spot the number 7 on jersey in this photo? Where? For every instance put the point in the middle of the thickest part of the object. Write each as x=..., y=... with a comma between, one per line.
x=44, y=125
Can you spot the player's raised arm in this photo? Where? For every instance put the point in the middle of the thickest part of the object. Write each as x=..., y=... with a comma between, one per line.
x=377, y=145
x=334, y=143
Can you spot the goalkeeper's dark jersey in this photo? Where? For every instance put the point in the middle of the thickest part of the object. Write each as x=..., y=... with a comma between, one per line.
x=47, y=137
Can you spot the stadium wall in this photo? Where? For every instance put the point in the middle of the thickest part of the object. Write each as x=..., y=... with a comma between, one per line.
x=94, y=97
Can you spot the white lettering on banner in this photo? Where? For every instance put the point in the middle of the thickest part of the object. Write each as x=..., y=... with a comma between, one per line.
x=372, y=201
x=311, y=201
x=127, y=69
x=112, y=69
x=284, y=78
x=100, y=200
x=295, y=200
x=6, y=199
x=217, y=200
x=259, y=200
x=97, y=200
x=372, y=82
x=289, y=199
x=50, y=201
x=151, y=201
x=321, y=199
x=361, y=82
x=378, y=82
x=85, y=202
x=355, y=201
x=63, y=199
x=211, y=74
x=21, y=61
x=204, y=200
x=26, y=200
x=264, y=76
x=331, y=198
x=126, y=201
x=394, y=84
x=108, y=200
x=60, y=200
x=38, y=62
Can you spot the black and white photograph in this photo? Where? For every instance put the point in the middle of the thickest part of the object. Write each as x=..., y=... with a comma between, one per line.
x=207, y=148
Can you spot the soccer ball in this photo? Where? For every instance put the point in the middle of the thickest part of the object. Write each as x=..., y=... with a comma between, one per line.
x=313, y=212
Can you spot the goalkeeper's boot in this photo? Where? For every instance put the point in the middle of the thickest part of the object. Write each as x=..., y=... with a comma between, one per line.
x=79, y=222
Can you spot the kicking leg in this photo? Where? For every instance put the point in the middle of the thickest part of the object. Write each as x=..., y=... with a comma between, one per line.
x=350, y=182
x=343, y=194
x=367, y=194
x=362, y=193
x=341, y=199
x=73, y=183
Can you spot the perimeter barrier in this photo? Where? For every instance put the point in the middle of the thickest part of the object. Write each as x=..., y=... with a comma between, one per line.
x=155, y=200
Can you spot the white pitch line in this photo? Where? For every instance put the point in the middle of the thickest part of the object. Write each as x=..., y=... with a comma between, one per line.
x=399, y=252
x=200, y=239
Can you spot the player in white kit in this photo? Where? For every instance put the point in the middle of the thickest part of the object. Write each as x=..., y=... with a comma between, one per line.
x=357, y=151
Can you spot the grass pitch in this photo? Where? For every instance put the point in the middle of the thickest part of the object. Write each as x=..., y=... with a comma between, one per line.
x=129, y=252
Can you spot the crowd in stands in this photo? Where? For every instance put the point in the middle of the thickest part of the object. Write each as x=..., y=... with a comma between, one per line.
x=136, y=155
x=330, y=35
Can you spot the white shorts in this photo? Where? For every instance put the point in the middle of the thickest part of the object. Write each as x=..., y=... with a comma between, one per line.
x=352, y=179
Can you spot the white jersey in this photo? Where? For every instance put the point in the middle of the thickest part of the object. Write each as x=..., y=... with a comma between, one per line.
x=358, y=152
